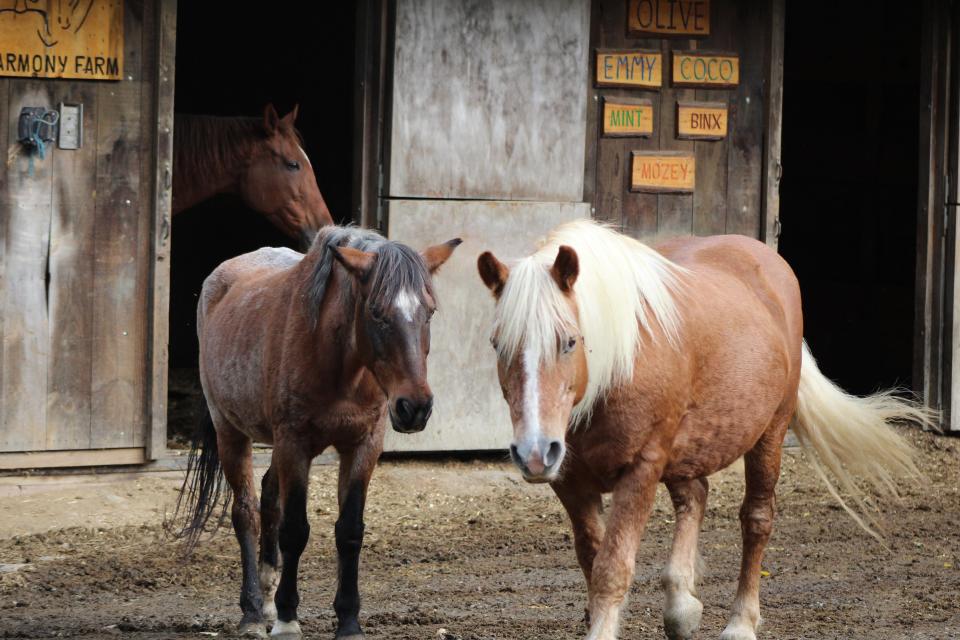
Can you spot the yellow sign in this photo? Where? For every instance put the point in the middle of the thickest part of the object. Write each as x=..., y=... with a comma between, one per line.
x=668, y=17
x=699, y=69
x=629, y=68
x=622, y=118
x=62, y=39
x=663, y=171
x=701, y=120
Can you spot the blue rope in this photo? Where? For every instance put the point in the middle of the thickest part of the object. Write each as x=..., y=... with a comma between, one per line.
x=49, y=118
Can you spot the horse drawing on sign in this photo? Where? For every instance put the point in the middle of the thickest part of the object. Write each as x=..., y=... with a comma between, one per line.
x=307, y=352
x=261, y=160
x=625, y=366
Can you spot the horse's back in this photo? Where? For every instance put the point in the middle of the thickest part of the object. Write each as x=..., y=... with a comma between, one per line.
x=748, y=262
x=243, y=269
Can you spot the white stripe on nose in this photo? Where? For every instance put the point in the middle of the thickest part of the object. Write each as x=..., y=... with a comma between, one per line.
x=531, y=394
x=406, y=303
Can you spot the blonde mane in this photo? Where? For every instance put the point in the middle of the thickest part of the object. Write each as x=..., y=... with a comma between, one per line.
x=624, y=288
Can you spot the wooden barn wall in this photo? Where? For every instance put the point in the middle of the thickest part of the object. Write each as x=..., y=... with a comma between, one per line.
x=77, y=276
x=488, y=99
x=730, y=190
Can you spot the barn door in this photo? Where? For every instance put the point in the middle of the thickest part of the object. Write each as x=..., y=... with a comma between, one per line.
x=724, y=131
x=83, y=248
x=937, y=342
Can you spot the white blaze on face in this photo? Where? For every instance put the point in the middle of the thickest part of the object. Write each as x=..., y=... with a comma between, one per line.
x=305, y=157
x=406, y=303
x=531, y=393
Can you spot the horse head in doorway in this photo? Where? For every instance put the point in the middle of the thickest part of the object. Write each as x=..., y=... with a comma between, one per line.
x=259, y=159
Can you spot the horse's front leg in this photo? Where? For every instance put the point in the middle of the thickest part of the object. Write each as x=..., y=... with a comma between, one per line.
x=292, y=465
x=356, y=467
x=613, y=567
x=583, y=504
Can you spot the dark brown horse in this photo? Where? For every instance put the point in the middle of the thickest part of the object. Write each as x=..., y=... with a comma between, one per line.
x=626, y=366
x=259, y=159
x=307, y=352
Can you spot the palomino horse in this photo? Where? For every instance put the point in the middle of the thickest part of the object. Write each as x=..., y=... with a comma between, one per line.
x=307, y=352
x=666, y=366
x=261, y=160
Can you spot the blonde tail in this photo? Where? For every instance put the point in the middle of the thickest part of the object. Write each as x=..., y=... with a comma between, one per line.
x=852, y=438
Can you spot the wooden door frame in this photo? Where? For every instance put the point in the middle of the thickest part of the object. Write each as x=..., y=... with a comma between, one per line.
x=935, y=373
x=373, y=89
x=164, y=47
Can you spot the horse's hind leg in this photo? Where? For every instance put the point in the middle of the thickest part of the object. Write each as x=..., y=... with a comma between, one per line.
x=236, y=458
x=681, y=615
x=269, y=543
x=762, y=468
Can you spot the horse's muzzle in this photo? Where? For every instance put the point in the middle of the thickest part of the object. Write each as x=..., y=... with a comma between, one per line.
x=407, y=416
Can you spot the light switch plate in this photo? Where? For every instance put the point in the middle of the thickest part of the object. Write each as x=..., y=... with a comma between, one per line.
x=71, y=126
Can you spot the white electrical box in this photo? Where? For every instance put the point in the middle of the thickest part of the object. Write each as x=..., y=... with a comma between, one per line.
x=71, y=126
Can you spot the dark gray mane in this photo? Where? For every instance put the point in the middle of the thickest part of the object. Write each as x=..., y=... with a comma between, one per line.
x=398, y=268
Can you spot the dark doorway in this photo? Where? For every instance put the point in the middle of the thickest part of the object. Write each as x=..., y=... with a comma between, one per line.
x=233, y=63
x=849, y=189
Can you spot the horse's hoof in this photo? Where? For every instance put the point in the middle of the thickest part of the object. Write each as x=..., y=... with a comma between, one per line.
x=738, y=632
x=252, y=630
x=286, y=630
x=269, y=612
x=350, y=631
x=681, y=621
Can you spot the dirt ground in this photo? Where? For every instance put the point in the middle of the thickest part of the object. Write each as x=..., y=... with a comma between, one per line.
x=469, y=548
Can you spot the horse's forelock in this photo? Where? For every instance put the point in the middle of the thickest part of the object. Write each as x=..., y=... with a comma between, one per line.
x=398, y=268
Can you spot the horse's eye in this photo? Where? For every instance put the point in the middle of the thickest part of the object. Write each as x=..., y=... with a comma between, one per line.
x=292, y=165
x=570, y=344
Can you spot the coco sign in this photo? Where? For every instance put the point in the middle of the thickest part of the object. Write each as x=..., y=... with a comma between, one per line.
x=702, y=69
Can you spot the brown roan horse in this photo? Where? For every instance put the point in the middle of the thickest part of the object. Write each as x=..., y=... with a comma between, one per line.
x=307, y=352
x=625, y=366
x=259, y=159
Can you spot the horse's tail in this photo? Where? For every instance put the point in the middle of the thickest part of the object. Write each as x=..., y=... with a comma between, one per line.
x=853, y=438
x=204, y=491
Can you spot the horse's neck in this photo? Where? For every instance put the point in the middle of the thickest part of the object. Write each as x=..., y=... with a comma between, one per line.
x=208, y=158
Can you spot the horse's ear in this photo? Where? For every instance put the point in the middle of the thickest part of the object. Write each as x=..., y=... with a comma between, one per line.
x=493, y=272
x=565, y=268
x=271, y=120
x=359, y=263
x=436, y=255
x=291, y=118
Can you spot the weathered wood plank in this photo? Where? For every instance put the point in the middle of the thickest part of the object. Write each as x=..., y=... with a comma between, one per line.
x=29, y=181
x=634, y=213
x=745, y=150
x=84, y=458
x=117, y=386
x=5, y=206
x=772, y=169
x=674, y=211
x=70, y=300
x=165, y=31
x=710, y=199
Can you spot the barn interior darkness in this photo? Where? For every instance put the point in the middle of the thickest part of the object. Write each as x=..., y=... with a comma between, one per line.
x=233, y=63
x=849, y=188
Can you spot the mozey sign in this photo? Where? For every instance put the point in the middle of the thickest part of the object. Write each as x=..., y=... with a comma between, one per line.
x=629, y=68
x=663, y=171
x=62, y=39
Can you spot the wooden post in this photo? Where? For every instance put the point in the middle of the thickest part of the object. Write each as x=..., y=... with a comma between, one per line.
x=772, y=169
x=160, y=276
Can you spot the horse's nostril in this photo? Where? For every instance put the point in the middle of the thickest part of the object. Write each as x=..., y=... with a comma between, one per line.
x=404, y=410
x=514, y=455
x=554, y=453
